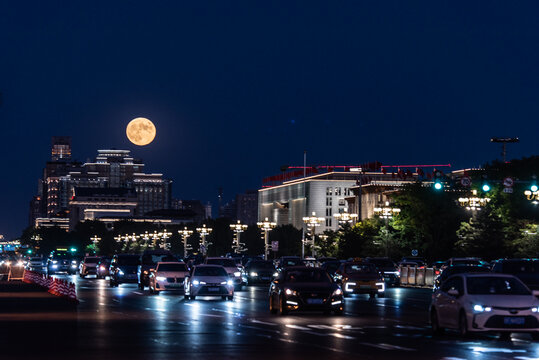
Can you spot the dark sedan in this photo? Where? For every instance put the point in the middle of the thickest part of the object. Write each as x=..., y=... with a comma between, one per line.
x=527, y=270
x=457, y=269
x=305, y=288
x=259, y=272
x=123, y=269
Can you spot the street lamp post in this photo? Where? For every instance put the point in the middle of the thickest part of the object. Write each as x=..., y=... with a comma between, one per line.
x=238, y=228
x=266, y=226
x=312, y=222
x=387, y=212
x=204, y=231
x=346, y=218
x=185, y=235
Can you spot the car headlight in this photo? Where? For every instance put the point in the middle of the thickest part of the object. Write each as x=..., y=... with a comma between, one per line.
x=289, y=292
x=55, y=261
x=74, y=265
x=20, y=263
x=275, y=274
x=237, y=274
x=160, y=278
x=254, y=274
x=337, y=292
x=230, y=283
x=535, y=309
x=74, y=261
x=121, y=272
x=481, y=308
x=196, y=282
x=102, y=268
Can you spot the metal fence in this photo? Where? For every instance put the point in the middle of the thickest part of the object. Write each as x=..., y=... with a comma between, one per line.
x=417, y=276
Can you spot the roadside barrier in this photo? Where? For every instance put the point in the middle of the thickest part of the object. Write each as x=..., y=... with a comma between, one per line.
x=55, y=286
x=417, y=277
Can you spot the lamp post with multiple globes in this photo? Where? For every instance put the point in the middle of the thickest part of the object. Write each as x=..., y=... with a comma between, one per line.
x=185, y=234
x=266, y=226
x=238, y=228
x=312, y=222
x=204, y=231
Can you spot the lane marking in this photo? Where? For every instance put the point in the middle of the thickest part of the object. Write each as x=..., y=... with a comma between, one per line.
x=138, y=293
x=387, y=346
x=262, y=322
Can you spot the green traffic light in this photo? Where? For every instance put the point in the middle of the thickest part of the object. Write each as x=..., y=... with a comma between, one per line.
x=534, y=188
x=438, y=185
x=486, y=187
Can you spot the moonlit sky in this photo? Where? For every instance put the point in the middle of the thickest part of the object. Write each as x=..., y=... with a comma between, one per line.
x=237, y=89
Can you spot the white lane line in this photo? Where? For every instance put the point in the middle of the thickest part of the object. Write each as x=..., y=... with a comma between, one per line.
x=387, y=346
x=406, y=327
x=262, y=322
x=292, y=326
x=138, y=293
x=259, y=328
x=228, y=312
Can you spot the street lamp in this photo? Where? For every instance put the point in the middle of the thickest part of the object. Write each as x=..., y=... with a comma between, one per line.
x=387, y=212
x=238, y=229
x=204, y=231
x=312, y=222
x=266, y=226
x=473, y=203
x=165, y=235
x=346, y=218
x=185, y=234
x=95, y=239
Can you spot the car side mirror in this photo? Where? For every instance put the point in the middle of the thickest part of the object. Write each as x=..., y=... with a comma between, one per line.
x=535, y=293
x=453, y=292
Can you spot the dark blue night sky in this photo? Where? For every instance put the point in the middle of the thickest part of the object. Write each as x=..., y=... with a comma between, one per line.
x=237, y=89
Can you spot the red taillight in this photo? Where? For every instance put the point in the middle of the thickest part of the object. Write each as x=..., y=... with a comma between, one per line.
x=437, y=272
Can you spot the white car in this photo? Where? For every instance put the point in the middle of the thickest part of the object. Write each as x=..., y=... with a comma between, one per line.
x=234, y=271
x=168, y=276
x=88, y=266
x=476, y=302
x=209, y=280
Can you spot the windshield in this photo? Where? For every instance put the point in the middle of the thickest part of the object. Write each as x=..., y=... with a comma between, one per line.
x=519, y=267
x=463, y=269
x=307, y=276
x=360, y=269
x=172, y=267
x=62, y=256
x=262, y=265
x=129, y=261
x=91, y=260
x=490, y=285
x=154, y=259
x=222, y=262
x=210, y=271
x=466, y=262
x=292, y=262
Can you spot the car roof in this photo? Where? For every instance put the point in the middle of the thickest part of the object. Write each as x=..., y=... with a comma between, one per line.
x=208, y=265
x=485, y=274
x=170, y=262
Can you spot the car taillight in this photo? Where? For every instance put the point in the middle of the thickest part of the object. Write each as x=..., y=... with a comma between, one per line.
x=437, y=272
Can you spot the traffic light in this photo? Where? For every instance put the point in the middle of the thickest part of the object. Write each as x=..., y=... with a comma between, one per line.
x=438, y=185
x=534, y=188
x=437, y=181
x=486, y=187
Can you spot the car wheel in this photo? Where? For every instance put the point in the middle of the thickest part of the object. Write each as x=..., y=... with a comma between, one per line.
x=151, y=290
x=223, y=297
x=381, y=294
x=186, y=297
x=372, y=295
x=272, y=307
x=193, y=297
x=231, y=297
x=338, y=311
x=535, y=335
x=463, y=324
x=140, y=286
x=436, y=329
x=282, y=306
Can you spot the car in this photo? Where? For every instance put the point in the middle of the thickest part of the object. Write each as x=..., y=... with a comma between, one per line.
x=103, y=266
x=311, y=261
x=361, y=277
x=286, y=261
x=484, y=302
x=123, y=269
x=88, y=266
x=388, y=269
x=527, y=270
x=168, y=276
x=61, y=260
x=305, y=288
x=259, y=272
x=148, y=261
x=209, y=280
x=457, y=269
x=36, y=263
x=331, y=266
x=234, y=271
x=462, y=261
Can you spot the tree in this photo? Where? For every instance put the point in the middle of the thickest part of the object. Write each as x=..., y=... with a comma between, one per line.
x=289, y=239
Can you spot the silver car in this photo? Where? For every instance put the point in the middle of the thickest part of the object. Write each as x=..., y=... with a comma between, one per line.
x=168, y=276
x=209, y=280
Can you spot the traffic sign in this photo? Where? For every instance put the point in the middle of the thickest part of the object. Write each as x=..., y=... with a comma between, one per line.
x=466, y=181
x=508, y=190
x=415, y=252
x=508, y=182
x=275, y=246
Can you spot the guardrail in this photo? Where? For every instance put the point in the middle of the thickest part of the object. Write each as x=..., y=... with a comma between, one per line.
x=417, y=276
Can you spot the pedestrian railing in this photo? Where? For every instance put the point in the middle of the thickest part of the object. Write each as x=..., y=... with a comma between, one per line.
x=416, y=276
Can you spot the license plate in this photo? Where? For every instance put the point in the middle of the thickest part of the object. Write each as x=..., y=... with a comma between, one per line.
x=175, y=285
x=265, y=278
x=213, y=289
x=513, y=320
x=315, y=301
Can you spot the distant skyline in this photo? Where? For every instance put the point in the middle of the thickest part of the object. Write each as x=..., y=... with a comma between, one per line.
x=236, y=90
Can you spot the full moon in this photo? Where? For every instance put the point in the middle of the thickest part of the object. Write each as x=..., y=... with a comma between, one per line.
x=140, y=131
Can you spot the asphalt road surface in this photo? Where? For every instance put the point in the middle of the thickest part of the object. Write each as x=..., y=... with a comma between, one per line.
x=126, y=323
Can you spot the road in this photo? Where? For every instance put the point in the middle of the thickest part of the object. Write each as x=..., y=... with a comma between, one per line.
x=125, y=323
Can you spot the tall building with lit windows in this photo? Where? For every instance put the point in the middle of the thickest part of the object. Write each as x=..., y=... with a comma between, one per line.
x=111, y=169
